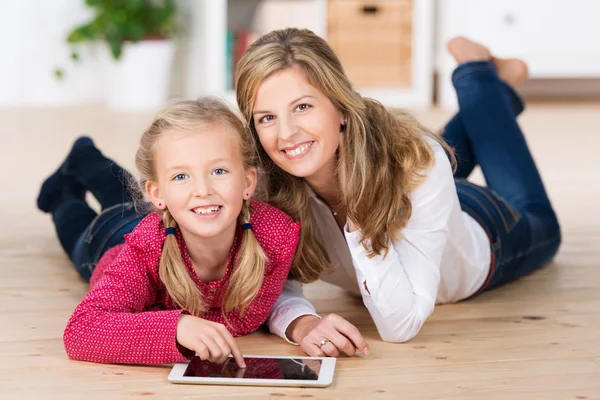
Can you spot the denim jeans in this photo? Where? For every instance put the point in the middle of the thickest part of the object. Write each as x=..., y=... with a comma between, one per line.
x=514, y=209
x=104, y=232
x=84, y=235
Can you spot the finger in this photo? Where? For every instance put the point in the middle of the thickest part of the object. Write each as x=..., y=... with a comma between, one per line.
x=330, y=350
x=352, y=333
x=202, y=351
x=225, y=351
x=341, y=342
x=234, y=349
x=311, y=348
x=214, y=349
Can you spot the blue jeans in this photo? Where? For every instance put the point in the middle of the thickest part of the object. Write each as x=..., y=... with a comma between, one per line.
x=104, y=232
x=84, y=235
x=514, y=208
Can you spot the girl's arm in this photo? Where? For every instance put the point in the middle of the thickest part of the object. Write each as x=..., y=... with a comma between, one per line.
x=112, y=324
x=400, y=290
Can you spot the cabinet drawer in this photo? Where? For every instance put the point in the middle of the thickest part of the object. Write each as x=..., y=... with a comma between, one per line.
x=373, y=40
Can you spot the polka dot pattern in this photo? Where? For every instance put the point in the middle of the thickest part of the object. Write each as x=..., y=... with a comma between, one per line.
x=128, y=317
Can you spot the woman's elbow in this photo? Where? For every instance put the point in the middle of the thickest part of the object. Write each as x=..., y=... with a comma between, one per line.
x=397, y=337
x=402, y=332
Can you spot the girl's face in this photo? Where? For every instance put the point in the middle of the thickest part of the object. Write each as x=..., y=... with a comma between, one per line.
x=201, y=180
x=297, y=125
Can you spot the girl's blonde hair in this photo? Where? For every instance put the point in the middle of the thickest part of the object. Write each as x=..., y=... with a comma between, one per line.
x=383, y=157
x=247, y=276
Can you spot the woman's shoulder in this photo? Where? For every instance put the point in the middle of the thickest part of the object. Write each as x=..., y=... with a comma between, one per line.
x=274, y=229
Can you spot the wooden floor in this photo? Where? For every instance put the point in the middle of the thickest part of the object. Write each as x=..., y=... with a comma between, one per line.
x=534, y=339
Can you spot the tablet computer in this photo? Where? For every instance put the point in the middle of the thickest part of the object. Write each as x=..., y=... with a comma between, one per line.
x=259, y=371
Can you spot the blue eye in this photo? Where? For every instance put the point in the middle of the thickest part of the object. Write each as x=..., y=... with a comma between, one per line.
x=179, y=177
x=219, y=171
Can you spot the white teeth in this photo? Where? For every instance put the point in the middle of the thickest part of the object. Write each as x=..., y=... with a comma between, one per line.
x=298, y=150
x=207, y=210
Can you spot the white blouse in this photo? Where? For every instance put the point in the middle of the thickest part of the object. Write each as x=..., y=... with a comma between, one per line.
x=443, y=256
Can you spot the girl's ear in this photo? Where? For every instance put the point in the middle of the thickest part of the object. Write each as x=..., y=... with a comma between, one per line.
x=154, y=195
x=250, y=183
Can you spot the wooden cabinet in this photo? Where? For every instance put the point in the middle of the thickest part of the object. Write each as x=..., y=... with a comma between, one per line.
x=374, y=40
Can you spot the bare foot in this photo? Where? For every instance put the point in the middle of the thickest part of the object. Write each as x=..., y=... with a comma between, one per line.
x=513, y=71
x=464, y=50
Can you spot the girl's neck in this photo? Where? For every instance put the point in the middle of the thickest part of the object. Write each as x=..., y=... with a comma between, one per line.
x=209, y=256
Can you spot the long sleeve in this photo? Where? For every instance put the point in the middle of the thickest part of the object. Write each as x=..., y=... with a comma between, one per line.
x=400, y=289
x=111, y=324
x=290, y=305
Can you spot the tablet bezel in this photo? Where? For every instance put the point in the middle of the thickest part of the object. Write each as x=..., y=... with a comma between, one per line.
x=325, y=375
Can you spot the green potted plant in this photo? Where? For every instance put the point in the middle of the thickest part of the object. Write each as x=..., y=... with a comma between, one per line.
x=139, y=48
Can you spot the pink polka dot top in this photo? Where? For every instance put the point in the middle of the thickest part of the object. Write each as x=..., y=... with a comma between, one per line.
x=128, y=317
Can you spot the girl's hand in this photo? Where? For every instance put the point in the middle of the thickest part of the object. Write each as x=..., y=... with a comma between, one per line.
x=338, y=334
x=210, y=340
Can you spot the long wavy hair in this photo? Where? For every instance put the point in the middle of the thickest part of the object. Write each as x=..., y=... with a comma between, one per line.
x=248, y=272
x=383, y=158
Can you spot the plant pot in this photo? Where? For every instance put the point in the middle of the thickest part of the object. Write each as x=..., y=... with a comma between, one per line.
x=140, y=79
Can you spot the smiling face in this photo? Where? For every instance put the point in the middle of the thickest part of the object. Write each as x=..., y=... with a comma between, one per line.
x=200, y=178
x=297, y=125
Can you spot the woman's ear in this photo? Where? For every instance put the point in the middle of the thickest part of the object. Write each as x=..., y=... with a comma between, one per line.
x=154, y=195
x=343, y=122
x=250, y=183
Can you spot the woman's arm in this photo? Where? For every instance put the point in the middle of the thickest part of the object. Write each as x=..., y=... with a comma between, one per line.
x=294, y=319
x=289, y=307
x=400, y=290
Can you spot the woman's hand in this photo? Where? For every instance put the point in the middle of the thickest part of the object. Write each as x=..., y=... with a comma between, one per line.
x=338, y=334
x=210, y=340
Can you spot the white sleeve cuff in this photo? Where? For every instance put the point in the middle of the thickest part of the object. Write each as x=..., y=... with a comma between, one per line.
x=286, y=313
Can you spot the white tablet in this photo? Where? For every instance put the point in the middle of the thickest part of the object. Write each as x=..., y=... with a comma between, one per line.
x=259, y=371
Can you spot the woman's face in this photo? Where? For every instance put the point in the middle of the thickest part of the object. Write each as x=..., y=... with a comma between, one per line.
x=297, y=125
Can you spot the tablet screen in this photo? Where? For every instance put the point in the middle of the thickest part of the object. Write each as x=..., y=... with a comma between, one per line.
x=257, y=368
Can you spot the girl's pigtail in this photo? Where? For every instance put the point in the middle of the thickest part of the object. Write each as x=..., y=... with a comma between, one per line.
x=247, y=276
x=173, y=273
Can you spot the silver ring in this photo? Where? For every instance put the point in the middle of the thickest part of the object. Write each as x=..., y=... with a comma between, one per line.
x=325, y=340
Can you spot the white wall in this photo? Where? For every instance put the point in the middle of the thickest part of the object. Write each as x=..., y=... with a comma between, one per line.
x=32, y=45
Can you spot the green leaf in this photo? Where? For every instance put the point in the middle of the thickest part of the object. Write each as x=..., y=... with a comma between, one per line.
x=75, y=56
x=81, y=33
x=134, y=5
x=116, y=48
x=59, y=74
x=135, y=31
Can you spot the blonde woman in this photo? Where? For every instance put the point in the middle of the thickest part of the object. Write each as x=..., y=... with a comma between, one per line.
x=383, y=214
x=205, y=265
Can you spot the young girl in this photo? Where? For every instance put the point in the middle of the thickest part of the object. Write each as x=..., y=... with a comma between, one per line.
x=376, y=194
x=206, y=264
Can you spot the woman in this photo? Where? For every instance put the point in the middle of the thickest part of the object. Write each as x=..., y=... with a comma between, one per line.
x=376, y=195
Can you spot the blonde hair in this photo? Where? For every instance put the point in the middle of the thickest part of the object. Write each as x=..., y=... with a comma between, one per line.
x=383, y=157
x=247, y=276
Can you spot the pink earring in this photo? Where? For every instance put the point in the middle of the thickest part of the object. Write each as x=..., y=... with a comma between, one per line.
x=160, y=204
